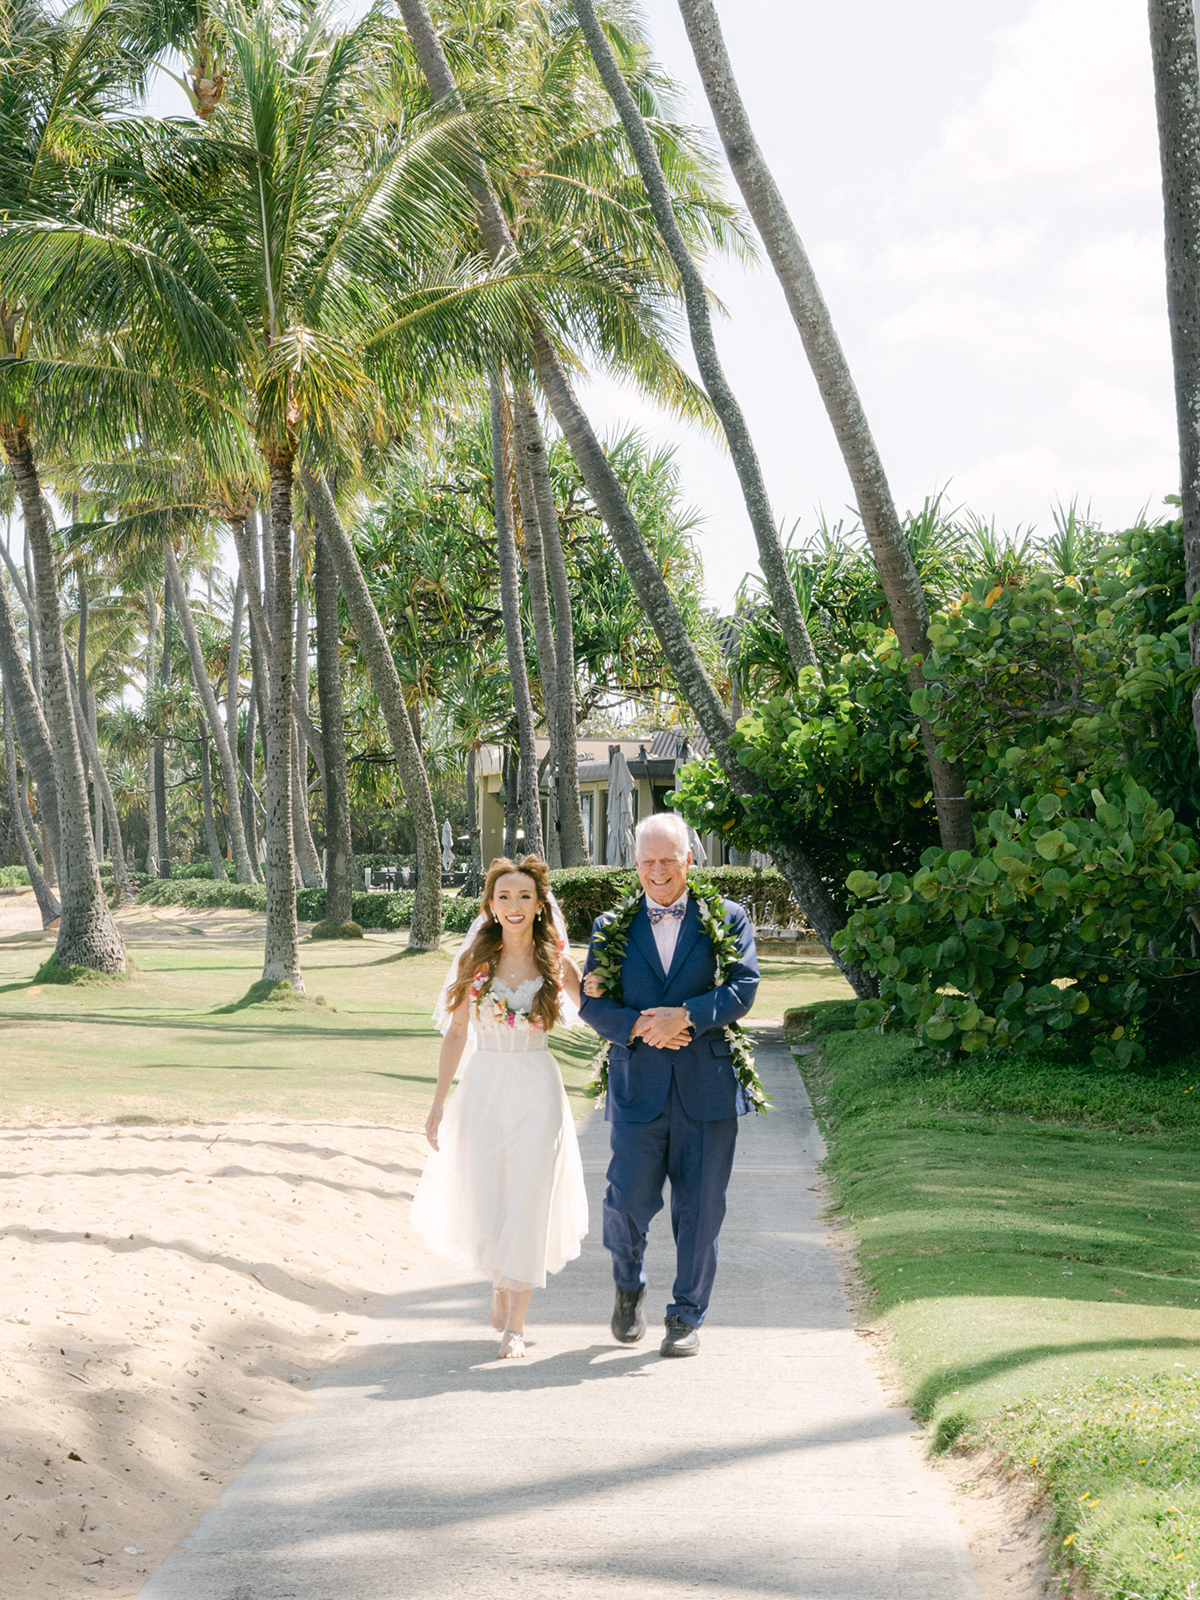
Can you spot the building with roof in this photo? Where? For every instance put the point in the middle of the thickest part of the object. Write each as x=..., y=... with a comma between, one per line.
x=653, y=762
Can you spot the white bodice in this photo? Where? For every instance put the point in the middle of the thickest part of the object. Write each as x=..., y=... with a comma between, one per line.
x=502, y=1022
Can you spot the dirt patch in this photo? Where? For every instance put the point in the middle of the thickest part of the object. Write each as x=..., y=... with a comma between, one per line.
x=169, y=1293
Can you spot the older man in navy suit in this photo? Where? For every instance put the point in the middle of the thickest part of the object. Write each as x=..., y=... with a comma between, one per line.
x=673, y=1096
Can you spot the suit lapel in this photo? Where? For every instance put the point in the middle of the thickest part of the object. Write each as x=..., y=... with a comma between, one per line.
x=689, y=932
x=642, y=935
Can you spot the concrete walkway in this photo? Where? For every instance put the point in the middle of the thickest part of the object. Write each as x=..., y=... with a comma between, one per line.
x=769, y=1465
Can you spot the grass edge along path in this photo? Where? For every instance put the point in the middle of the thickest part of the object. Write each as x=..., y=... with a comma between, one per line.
x=1028, y=1232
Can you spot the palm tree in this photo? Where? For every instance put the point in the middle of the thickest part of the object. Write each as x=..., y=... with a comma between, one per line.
x=897, y=570
x=57, y=82
x=605, y=489
x=1177, y=100
x=741, y=446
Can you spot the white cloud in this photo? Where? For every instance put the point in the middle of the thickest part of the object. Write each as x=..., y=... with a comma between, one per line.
x=1070, y=96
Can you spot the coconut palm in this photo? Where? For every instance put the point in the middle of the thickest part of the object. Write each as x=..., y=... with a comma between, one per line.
x=605, y=489
x=897, y=571
x=58, y=81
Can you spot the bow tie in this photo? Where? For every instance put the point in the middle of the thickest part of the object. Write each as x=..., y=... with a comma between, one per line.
x=657, y=913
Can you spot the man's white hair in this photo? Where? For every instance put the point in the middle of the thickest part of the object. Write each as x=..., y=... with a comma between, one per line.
x=669, y=822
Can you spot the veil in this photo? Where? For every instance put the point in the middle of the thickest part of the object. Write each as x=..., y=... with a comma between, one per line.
x=568, y=1010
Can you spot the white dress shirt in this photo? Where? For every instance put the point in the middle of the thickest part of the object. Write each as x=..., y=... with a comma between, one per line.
x=666, y=931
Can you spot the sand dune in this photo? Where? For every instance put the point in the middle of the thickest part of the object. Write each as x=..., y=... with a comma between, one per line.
x=150, y=1337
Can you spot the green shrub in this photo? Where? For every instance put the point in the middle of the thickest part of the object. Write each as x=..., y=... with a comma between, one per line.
x=1072, y=916
x=191, y=869
x=205, y=893
x=14, y=878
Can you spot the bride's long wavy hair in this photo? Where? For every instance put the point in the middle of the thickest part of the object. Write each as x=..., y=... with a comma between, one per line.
x=483, y=952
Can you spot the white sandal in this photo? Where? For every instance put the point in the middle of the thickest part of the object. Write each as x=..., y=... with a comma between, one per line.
x=515, y=1346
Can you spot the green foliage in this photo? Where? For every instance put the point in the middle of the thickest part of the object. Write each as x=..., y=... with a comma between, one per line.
x=206, y=894
x=1084, y=675
x=337, y=930
x=14, y=878
x=192, y=869
x=843, y=768
x=1069, y=917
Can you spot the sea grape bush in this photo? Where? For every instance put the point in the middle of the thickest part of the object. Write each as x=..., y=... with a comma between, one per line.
x=1069, y=917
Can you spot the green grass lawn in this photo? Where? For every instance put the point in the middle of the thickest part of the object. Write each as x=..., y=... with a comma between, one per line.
x=161, y=1047
x=1030, y=1230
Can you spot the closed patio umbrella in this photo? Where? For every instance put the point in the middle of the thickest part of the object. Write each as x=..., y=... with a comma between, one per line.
x=620, y=811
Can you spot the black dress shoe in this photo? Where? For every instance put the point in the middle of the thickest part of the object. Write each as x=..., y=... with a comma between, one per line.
x=628, y=1323
x=681, y=1339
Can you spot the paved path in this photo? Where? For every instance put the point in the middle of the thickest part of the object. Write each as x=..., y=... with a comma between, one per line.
x=769, y=1465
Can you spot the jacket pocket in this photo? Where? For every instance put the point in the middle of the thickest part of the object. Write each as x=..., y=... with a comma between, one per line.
x=618, y=1052
x=720, y=1047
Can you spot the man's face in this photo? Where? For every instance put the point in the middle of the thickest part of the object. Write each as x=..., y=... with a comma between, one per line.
x=661, y=869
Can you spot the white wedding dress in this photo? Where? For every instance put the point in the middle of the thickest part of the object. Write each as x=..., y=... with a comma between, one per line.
x=504, y=1193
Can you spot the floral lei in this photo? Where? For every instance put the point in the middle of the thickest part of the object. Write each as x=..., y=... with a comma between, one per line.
x=503, y=1011
x=610, y=944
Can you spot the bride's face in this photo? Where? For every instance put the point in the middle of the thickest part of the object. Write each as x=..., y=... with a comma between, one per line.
x=515, y=902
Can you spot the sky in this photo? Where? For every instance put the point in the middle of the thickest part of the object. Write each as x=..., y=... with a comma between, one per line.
x=978, y=189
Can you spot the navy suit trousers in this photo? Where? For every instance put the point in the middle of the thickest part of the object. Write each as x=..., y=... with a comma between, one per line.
x=697, y=1157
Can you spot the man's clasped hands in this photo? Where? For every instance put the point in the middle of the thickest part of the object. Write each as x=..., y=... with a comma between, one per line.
x=662, y=1027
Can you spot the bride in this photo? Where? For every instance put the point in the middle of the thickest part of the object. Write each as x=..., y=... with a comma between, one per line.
x=503, y=1190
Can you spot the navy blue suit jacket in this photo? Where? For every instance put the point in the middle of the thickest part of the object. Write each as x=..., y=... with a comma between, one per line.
x=639, y=1077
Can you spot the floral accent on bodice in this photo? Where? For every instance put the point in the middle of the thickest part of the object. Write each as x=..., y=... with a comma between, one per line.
x=502, y=1020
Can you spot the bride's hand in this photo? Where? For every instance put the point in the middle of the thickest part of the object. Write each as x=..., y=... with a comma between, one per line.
x=432, y=1124
x=593, y=985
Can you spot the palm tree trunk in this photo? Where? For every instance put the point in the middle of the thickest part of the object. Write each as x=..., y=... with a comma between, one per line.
x=898, y=574
x=426, y=930
x=510, y=779
x=46, y=898
x=474, y=881
x=741, y=447
x=339, y=850
x=216, y=859
x=87, y=934
x=602, y=484
x=249, y=822
x=514, y=641
x=208, y=699
x=98, y=809
x=1177, y=101
x=104, y=795
x=281, y=956
x=151, y=808
x=81, y=678
x=539, y=590
x=35, y=644
x=306, y=851
x=31, y=729
x=233, y=678
x=160, y=749
x=571, y=837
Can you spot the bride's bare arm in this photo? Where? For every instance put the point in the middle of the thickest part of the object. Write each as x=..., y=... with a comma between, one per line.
x=571, y=976
x=452, y=1048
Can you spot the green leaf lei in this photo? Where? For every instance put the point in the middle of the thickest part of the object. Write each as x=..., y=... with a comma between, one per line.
x=610, y=945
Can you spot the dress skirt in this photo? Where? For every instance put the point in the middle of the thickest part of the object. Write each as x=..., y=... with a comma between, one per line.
x=504, y=1194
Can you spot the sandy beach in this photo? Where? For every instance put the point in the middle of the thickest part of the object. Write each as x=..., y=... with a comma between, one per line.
x=167, y=1294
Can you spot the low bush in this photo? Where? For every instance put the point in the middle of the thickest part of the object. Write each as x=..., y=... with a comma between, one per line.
x=204, y=893
x=192, y=869
x=14, y=878
x=1070, y=916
